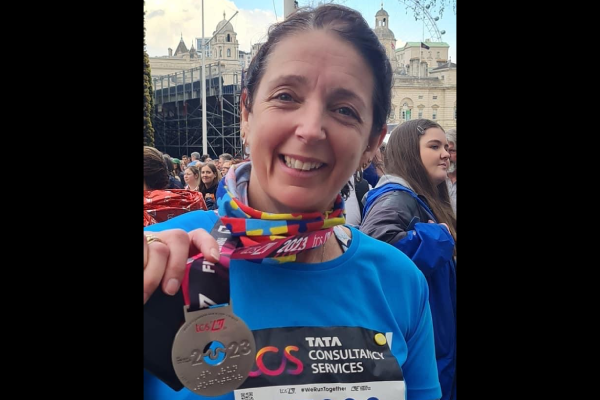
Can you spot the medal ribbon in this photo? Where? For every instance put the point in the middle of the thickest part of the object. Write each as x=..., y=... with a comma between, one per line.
x=245, y=233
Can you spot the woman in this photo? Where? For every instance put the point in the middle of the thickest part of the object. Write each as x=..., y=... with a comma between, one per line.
x=339, y=314
x=210, y=178
x=177, y=171
x=174, y=182
x=191, y=176
x=156, y=173
x=410, y=209
x=160, y=201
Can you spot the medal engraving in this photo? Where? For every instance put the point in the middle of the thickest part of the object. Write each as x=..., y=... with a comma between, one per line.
x=213, y=351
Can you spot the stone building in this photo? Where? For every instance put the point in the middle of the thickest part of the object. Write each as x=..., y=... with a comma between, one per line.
x=424, y=79
x=222, y=50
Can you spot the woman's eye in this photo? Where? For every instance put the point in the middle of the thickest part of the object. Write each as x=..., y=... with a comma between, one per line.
x=346, y=111
x=284, y=97
x=434, y=147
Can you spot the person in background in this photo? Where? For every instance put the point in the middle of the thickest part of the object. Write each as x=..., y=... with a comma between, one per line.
x=191, y=177
x=195, y=159
x=225, y=167
x=374, y=170
x=222, y=158
x=410, y=209
x=313, y=110
x=156, y=174
x=160, y=201
x=178, y=171
x=174, y=182
x=209, y=181
x=184, y=162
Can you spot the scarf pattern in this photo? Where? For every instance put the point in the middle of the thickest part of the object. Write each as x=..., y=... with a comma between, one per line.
x=258, y=227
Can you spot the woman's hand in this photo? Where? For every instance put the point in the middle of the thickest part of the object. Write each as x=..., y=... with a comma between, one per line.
x=441, y=223
x=166, y=254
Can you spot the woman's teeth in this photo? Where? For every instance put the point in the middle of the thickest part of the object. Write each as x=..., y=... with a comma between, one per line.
x=297, y=164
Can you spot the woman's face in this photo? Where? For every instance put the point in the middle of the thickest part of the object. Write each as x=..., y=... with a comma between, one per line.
x=434, y=154
x=207, y=175
x=188, y=176
x=310, y=123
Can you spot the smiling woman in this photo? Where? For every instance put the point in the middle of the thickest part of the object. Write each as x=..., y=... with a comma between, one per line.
x=410, y=209
x=312, y=128
x=314, y=110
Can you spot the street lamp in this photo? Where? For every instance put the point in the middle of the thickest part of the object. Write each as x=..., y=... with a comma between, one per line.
x=204, y=142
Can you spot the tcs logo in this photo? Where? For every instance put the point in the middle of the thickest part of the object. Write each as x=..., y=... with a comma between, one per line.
x=270, y=352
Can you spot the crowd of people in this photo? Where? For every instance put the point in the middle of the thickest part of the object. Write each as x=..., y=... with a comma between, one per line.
x=346, y=280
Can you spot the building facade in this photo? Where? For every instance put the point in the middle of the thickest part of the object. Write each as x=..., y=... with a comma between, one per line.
x=412, y=54
x=221, y=51
x=424, y=79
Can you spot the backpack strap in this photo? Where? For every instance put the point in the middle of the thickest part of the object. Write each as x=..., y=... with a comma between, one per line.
x=390, y=187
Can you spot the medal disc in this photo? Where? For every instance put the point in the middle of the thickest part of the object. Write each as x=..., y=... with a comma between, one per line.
x=213, y=352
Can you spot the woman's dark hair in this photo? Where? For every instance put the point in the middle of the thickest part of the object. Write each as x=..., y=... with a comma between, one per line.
x=176, y=169
x=403, y=159
x=156, y=175
x=347, y=24
x=169, y=164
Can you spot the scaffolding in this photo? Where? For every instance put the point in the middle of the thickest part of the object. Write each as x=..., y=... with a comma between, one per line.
x=178, y=111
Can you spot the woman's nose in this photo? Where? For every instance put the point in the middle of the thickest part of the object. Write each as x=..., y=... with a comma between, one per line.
x=310, y=127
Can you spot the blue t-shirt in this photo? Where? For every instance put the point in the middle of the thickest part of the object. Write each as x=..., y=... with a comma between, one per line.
x=320, y=326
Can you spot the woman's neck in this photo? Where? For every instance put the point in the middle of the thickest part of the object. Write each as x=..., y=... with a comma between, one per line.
x=326, y=252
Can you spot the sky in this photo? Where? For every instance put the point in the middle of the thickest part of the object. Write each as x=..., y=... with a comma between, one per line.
x=167, y=21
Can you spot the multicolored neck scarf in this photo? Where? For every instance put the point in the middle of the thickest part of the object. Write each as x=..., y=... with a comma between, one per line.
x=255, y=227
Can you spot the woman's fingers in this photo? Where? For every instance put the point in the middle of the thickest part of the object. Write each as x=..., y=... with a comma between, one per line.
x=206, y=244
x=155, y=263
x=179, y=244
x=165, y=256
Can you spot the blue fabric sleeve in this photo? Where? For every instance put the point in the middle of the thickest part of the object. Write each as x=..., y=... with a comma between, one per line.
x=188, y=222
x=429, y=246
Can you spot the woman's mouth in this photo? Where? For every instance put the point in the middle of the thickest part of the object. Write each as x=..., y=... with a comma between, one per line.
x=301, y=165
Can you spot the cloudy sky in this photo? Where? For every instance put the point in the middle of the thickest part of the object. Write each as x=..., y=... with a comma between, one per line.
x=167, y=21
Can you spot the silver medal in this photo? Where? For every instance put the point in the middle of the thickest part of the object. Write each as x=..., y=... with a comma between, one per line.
x=213, y=352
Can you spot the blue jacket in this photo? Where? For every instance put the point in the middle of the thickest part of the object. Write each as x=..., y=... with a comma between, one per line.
x=370, y=175
x=393, y=213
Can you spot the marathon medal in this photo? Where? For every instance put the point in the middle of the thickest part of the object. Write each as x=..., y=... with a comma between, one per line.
x=213, y=352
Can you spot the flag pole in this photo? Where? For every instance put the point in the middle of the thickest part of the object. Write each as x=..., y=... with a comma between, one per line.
x=203, y=76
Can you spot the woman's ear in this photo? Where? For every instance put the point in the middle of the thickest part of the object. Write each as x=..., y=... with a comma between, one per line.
x=377, y=140
x=374, y=143
x=245, y=115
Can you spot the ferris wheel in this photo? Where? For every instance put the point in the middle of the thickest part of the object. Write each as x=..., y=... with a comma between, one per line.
x=422, y=12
